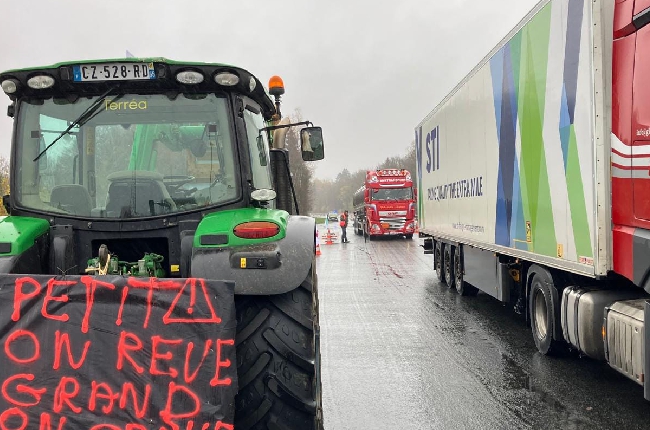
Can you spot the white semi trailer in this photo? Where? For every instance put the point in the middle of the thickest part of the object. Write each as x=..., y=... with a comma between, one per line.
x=534, y=179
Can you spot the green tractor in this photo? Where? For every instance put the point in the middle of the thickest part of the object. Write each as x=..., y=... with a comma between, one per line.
x=157, y=168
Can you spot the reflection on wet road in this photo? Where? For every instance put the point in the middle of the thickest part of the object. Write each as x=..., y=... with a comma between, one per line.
x=401, y=351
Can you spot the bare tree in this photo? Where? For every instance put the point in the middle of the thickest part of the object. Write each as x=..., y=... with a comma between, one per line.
x=337, y=194
x=4, y=181
x=301, y=171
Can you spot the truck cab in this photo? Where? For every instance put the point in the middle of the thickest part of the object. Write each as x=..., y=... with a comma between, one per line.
x=385, y=204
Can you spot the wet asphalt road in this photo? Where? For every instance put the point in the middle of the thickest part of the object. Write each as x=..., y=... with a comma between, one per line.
x=402, y=351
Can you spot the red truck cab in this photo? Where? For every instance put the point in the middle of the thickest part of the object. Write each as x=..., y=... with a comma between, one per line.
x=631, y=140
x=385, y=204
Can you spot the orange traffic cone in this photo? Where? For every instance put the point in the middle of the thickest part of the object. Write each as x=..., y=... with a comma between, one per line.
x=328, y=240
x=317, y=244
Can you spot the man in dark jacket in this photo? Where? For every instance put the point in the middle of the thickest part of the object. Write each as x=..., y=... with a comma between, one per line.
x=344, y=224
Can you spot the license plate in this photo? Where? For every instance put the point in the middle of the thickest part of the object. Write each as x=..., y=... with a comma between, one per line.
x=113, y=72
x=385, y=226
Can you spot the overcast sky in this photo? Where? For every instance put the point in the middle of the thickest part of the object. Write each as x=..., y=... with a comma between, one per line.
x=366, y=71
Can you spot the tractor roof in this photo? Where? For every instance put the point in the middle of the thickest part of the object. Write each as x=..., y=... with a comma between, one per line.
x=66, y=79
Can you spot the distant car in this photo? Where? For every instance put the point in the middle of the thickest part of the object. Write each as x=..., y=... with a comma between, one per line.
x=332, y=217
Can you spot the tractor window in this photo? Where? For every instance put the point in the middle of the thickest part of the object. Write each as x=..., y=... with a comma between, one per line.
x=258, y=146
x=61, y=166
x=138, y=156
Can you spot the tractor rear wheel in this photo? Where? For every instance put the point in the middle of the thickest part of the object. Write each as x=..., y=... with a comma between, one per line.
x=278, y=359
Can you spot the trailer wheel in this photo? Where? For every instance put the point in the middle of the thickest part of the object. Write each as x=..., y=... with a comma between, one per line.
x=463, y=288
x=437, y=261
x=543, y=308
x=278, y=360
x=448, y=265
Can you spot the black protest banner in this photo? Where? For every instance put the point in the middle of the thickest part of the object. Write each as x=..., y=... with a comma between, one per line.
x=115, y=353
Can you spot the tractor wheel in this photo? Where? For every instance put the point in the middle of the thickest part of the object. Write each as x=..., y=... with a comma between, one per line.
x=409, y=236
x=278, y=360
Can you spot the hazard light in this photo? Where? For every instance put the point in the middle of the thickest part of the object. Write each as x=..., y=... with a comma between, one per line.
x=276, y=86
x=256, y=230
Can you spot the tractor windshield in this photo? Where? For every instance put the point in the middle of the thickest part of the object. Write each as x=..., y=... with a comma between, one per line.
x=135, y=156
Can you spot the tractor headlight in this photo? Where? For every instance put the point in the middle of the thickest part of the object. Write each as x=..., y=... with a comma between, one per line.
x=9, y=86
x=226, y=79
x=189, y=77
x=40, y=82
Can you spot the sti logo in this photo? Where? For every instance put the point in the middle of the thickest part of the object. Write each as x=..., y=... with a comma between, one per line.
x=432, y=142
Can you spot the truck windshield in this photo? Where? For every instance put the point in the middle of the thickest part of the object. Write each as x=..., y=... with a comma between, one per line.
x=392, y=194
x=137, y=156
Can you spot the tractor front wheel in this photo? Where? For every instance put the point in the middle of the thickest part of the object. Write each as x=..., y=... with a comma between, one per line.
x=278, y=360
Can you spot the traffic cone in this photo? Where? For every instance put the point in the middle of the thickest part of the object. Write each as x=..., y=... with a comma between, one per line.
x=328, y=240
x=317, y=244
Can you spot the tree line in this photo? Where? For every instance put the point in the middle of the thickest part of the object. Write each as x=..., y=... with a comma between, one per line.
x=331, y=195
x=4, y=181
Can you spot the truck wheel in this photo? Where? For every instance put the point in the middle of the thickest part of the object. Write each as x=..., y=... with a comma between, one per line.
x=409, y=236
x=437, y=261
x=448, y=265
x=278, y=360
x=543, y=308
x=463, y=288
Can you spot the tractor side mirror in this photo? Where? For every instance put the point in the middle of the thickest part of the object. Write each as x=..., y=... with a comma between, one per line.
x=311, y=142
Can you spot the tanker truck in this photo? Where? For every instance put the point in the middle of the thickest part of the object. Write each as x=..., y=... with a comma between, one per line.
x=385, y=205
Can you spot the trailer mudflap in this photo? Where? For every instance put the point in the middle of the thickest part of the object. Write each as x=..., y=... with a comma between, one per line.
x=428, y=245
x=109, y=351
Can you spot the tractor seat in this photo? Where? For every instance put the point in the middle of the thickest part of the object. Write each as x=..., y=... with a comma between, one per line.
x=137, y=193
x=72, y=198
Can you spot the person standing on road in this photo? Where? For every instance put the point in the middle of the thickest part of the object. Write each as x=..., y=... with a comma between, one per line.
x=344, y=225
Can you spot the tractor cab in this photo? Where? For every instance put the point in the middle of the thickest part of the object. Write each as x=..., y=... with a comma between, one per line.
x=145, y=149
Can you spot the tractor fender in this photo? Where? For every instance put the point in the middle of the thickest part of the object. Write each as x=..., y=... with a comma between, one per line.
x=262, y=269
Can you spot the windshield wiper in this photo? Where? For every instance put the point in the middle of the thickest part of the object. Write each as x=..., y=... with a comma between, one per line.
x=85, y=116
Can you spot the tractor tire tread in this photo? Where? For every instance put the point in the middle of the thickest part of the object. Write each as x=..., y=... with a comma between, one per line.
x=276, y=360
